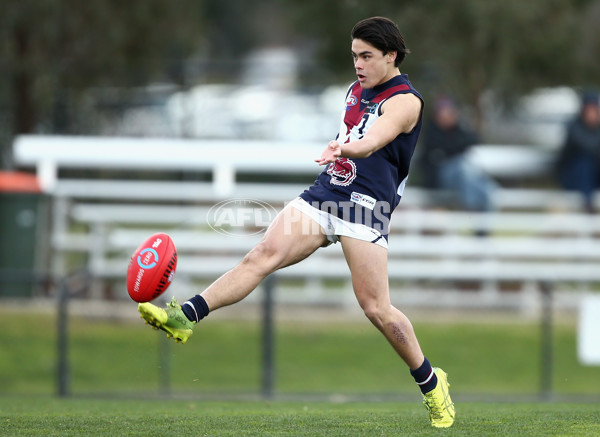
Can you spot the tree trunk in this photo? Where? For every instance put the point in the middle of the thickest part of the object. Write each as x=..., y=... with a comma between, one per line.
x=24, y=108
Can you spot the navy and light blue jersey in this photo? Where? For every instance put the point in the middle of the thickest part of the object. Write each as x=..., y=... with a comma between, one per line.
x=367, y=190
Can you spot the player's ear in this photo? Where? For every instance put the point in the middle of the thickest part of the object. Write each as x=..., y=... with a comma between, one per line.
x=391, y=56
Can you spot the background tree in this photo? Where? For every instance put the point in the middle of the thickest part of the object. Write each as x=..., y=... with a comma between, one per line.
x=465, y=47
x=57, y=47
x=51, y=51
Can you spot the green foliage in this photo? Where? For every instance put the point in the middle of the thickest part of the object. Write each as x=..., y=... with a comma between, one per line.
x=468, y=46
x=50, y=51
x=464, y=45
x=74, y=44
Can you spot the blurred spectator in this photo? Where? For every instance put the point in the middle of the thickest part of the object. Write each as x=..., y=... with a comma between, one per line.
x=579, y=159
x=443, y=159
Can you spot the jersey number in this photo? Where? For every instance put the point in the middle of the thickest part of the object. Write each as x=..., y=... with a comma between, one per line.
x=361, y=128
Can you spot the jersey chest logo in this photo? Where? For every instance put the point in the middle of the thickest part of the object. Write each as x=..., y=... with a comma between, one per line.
x=342, y=172
x=351, y=101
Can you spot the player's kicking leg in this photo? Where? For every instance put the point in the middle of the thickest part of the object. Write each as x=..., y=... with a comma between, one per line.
x=289, y=239
x=368, y=265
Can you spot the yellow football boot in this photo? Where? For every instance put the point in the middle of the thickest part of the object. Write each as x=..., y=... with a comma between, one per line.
x=171, y=320
x=438, y=402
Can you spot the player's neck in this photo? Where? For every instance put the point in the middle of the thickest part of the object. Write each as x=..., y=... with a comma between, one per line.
x=391, y=74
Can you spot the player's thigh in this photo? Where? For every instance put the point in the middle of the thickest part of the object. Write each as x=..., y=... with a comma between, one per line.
x=291, y=237
x=368, y=265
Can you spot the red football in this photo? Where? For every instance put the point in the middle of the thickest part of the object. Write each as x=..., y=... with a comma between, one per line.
x=151, y=268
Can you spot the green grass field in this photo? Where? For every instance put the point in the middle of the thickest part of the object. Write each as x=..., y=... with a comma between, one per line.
x=121, y=357
x=45, y=416
x=325, y=374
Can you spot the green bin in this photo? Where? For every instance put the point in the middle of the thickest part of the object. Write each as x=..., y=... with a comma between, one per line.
x=24, y=226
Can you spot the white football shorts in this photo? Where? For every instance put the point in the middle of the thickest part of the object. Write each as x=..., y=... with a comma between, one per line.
x=334, y=226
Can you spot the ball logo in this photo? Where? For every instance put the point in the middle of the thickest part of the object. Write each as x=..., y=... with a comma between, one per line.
x=147, y=258
x=342, y=172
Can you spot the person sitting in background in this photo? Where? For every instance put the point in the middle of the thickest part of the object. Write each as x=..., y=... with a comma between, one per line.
x=579, y=158
x=444, y=164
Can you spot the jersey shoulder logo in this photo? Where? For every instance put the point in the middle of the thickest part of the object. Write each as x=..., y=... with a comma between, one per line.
x=342, y=172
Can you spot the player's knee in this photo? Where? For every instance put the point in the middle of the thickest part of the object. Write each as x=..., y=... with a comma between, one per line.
x=264, y=257
x=375, y=313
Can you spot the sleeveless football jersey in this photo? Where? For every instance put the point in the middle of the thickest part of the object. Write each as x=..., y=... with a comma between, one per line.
x=367, y=190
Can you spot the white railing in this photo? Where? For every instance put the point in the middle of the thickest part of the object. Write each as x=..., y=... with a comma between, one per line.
x=435, y=257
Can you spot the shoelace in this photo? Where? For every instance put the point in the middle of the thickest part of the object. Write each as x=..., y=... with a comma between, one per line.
x=173, y=303
x=434, y=410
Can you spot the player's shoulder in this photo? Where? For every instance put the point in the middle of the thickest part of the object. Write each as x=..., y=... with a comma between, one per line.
x=405, y=108
x=402, y=102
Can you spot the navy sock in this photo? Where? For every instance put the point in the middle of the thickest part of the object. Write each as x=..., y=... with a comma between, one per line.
x=195, y=309
x=425, y=377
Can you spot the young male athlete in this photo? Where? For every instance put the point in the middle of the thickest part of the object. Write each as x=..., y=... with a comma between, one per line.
x=351, y=202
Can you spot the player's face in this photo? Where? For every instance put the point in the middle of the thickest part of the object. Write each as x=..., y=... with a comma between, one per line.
x=371, y=65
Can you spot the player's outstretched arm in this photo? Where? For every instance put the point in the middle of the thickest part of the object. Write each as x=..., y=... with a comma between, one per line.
x=400, y=114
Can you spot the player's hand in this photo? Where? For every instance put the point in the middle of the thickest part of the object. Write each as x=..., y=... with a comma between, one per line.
x=330, y=154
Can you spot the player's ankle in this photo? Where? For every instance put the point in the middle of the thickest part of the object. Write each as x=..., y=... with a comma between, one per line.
x=195, y=309
x=425, y=377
